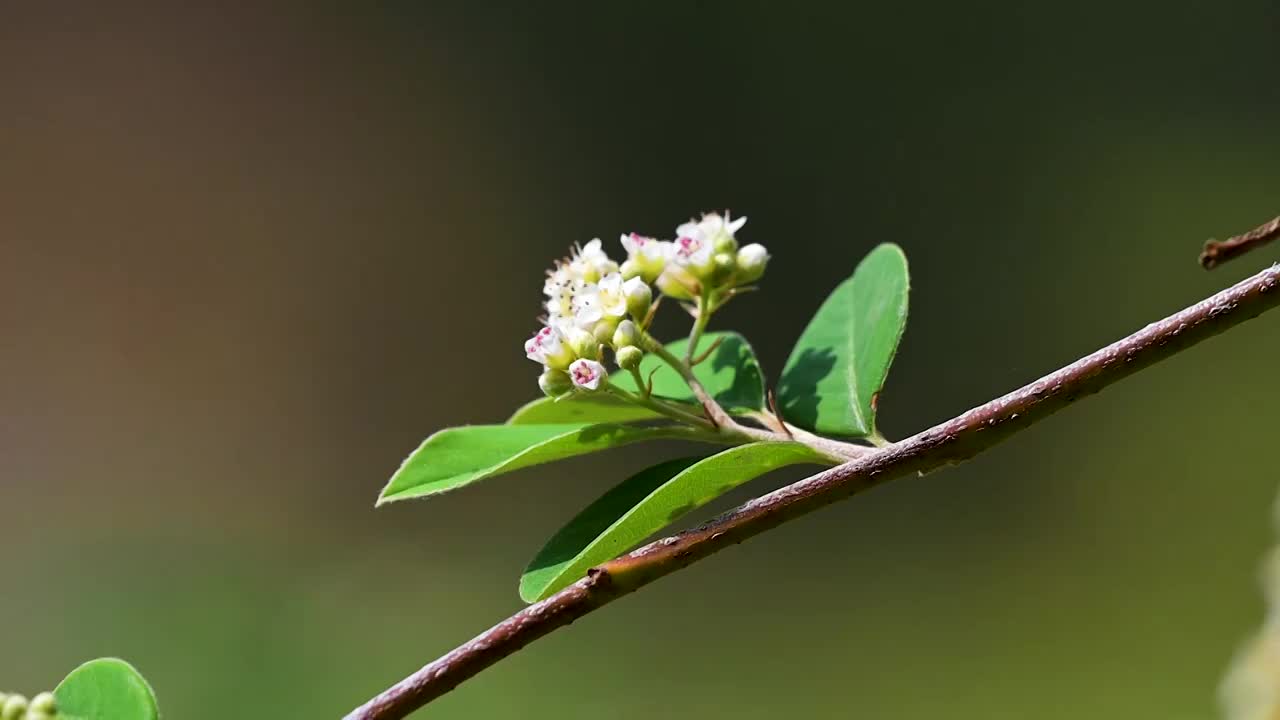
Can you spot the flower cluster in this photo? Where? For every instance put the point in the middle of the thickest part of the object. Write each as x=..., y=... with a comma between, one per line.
x=593, y=303
x=15, y=706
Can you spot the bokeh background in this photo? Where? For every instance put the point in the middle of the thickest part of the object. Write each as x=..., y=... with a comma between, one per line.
x=251, y=256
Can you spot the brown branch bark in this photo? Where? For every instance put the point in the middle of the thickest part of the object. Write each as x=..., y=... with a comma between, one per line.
x=951, y=442
x=1217, y=252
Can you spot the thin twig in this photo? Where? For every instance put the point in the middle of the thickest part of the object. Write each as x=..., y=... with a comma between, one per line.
x=710, y=414
x=1217, y=252
x=733, y=293
x=653, y=310
x=949, y=443
x=706, y=353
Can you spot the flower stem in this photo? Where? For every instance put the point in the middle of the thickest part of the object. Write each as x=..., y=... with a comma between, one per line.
x=699, y=326
x=661, y=408
x=645, y=388
x=715, y=413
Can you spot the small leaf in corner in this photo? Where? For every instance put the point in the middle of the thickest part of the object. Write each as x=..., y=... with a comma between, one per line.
x=105, y=689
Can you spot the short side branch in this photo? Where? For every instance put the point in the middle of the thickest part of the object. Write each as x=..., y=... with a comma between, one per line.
x=1217, y=252
x=951, y=442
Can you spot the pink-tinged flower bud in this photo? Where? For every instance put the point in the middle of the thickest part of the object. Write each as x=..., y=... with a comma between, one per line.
x=587, y=374
x=751, y=262
x=639, y=297
x=555, y=383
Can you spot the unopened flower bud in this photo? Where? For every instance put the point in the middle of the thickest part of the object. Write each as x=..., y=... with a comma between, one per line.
x=724, y=243
x=43, y=703
x=639, y=297
x=603, y=329
x=630, y=269
x=676, y=283
x=626, y=334
x=555, y=383
x=722, y=266
x=15, y=706
x=751, y=261
x=582, y=343
x=587, y=374
x=629, y=357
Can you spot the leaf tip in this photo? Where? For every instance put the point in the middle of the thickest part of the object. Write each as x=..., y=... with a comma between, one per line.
x=530, y=592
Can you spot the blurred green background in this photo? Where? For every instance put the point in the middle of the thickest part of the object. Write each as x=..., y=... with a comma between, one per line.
x=250, y=257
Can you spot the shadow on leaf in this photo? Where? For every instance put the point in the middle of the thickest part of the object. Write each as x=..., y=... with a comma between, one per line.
x=798, y=388
x=735, y=354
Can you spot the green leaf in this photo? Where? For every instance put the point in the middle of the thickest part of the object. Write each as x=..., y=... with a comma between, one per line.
x=731, y=374
x=460, y=456
x=840, y=363
x=646, y=503
x=580, y=408
x=105, y=689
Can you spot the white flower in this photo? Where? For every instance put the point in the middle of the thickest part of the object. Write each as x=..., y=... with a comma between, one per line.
x=594, y=302
x=646, y=257
x=559, y=280
x=590, y=263
x=711, y=227
x=573, y=277
x=560, y=308
x=691, y=250
x=536, y=347
x=587, y=374
x=638, y=245
x=696, y=241
x=549, y=347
